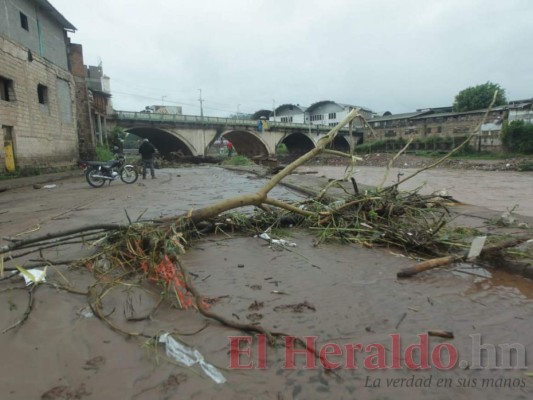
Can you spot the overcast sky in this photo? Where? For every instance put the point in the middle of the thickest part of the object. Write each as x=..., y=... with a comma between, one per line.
x=246, y=55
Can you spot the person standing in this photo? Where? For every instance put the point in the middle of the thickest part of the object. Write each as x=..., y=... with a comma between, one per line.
x=147, y=150
x=230, y=148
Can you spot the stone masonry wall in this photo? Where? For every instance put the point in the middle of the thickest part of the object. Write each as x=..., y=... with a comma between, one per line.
x=43, y=134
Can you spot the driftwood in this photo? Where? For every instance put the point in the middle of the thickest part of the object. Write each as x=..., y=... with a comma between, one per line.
x=149, y=239
x=446, y=261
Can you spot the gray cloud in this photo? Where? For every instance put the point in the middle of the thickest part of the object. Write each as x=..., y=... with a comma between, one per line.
x=384, y=55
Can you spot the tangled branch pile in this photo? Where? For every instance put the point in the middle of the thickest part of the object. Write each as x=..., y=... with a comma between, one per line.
x=149, y=252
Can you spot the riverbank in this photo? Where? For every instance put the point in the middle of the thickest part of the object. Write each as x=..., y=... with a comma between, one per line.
x=413, y=161
x=501, y=210
x=337, y=294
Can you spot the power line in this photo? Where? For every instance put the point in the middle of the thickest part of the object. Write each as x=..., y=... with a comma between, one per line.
x=192, y=102
x=174, y=101
x=152, y=92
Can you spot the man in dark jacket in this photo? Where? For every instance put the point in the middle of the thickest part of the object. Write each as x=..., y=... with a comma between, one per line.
x=147, y=151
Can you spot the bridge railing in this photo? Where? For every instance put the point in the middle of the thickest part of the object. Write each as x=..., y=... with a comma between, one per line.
x=198, y=120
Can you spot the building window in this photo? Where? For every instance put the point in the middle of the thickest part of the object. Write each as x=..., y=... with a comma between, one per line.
x=332, y=115
x=42, y=93
x=24, y=21
x=439, y=129
x=317, y=117
x=6, y=89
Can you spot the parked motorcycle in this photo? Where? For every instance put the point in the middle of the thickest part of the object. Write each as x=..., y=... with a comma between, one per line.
x=97, y=173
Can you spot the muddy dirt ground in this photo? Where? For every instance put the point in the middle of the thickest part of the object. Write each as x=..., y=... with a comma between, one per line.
x=337, y=293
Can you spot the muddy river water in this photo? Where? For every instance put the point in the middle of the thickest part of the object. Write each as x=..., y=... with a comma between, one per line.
x=345, y=298
x=497, y=190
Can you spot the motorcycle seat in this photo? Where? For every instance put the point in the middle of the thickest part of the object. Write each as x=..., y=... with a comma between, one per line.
x=103, y=163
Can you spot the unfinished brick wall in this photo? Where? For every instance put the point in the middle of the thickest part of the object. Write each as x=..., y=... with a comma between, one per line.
x=86, y=140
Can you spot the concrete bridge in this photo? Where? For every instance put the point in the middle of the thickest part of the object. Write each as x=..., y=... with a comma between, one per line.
x=194, y=135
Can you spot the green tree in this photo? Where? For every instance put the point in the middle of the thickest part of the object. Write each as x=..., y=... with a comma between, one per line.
x=479, y=97
x=117, y=136
x=517, y=136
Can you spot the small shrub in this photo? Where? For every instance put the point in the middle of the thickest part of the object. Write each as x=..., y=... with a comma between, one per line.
x=22, y=172
x=29, y=171
x=526, y=166
x=104, y=154
x=369, y=147
x=282, y=149
x=237, y=160
x=517, y=136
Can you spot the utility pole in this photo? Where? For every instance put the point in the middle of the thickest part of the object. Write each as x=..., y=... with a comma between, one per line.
x=238, y=106
x=274, y=108
x=202, y=118
x=201, y=104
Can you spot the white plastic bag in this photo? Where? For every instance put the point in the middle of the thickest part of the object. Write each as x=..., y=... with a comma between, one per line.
x=280, y=242
x=188, y=357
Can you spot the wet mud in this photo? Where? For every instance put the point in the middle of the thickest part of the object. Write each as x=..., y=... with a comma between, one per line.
x=337, y=294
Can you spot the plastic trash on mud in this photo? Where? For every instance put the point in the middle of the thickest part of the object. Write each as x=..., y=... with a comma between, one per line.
x=32, y=276
x=189, y=356
x=336, y=204
x=507, y=218
x=476, y=247
x=280, y=242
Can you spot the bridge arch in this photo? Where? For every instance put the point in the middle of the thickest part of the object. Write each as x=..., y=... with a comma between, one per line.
x=164, y=141
x=246, y=143
x=297, y=143
x=342, y=143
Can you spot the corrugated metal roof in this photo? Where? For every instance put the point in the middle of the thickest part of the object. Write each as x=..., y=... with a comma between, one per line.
x=520, y=104
x=342, y=105
x=261, y=113
x=453, y=114
x=319, y=103
x=393, y=117
x=291, y=107
x=46, y=6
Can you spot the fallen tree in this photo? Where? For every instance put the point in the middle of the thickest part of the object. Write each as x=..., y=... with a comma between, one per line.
x=149, y=251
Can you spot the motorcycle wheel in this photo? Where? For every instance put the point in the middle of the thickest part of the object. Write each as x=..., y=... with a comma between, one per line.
x=129, y=174
x=93, y=180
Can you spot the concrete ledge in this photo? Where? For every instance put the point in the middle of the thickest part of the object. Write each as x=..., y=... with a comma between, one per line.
x=15, y=183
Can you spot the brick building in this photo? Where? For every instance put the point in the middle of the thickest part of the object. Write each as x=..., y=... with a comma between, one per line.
x=439, y=125
x=37, y=91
